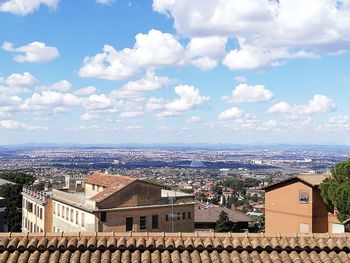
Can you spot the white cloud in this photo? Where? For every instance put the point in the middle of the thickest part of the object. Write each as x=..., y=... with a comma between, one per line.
x=267, y=32
x=232, y=113
x=318, y=104
x=240, y=79
x=250, y=94
x=138, y=87
x=61, y=86
x=85, y=91
x=15, y=125
x=154, y=49
x=189, y=99
x=35, y=52
x=25, y=7
x=104, y=2
x=339, y=123
x=17, y=83
x=194, y=119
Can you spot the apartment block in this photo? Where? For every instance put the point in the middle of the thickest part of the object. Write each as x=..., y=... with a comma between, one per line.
x=36, y=211
x=295, y=205
x=120, y=203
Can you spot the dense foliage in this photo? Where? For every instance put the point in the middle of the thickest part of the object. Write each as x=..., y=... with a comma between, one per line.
x=224, y=224
x=13, y=197
x=335, y=190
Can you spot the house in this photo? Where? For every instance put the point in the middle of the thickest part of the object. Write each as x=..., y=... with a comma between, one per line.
x=206, y=216
x=121, y=203
x=36, y=210
x=295, y=205
x=172, y=247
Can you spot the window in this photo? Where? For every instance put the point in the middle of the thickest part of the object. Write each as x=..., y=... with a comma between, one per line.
x=166, y=217
x=77, y=217
x=83, y=219
x=178, y=216
x=63, y=211
x=103, y=216
x=183, y=215
x=154, y=221
x=67, y=213
x=129, y=224
x=41, y=213
x=71, y=215
x=189, y=215
x=143, y=223
x=303, y=197
x=54, y=208
x=93, y=187
x=58, y=209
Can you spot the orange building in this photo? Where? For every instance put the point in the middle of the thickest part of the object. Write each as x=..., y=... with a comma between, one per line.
x=295, y=205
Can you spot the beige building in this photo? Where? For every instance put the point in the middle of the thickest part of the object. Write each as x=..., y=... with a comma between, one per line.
x=295, y=205
x=36, y=211
x=120, y=203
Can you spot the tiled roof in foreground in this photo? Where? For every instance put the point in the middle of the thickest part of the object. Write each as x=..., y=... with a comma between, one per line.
x=172, y=247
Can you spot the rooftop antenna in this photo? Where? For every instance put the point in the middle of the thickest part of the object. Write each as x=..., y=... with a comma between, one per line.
x=172, y=201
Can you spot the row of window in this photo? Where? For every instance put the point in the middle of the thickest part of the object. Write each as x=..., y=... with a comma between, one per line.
x=178, y=216
x=129, y=223
x=33, y=208
x=31, y=227
x=69, y=214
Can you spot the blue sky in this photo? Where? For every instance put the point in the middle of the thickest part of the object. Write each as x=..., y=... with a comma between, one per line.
x=201, y=71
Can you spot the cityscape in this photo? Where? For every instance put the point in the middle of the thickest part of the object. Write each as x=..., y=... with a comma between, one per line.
x=170, y=131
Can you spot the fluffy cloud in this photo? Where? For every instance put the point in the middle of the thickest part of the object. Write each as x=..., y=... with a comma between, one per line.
x=15, y=125
x=232, y=113
x=85, y=91
x=25, y=7
x=61, y=86
x=35, y=52
x=249, y=94
x=318, y=104
x=154, y=49
x=189, y=98
x=339, y=123
x=266, y=32
x=17, y=83
x=137, y=88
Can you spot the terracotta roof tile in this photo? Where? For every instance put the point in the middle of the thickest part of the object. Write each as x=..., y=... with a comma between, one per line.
x=173, y=247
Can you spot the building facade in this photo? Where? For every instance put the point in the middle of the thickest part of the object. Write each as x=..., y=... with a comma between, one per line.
x=120, y=203
x=295, y=205
x=36, y=211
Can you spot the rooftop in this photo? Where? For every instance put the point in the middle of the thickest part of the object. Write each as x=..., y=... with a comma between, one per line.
x=310, y=179
x=173, y=247
x=210, y=213
x=109, y=180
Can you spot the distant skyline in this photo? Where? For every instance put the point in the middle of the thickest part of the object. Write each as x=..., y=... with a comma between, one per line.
x=165, y=71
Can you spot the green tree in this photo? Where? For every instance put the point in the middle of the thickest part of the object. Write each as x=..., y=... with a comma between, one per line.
x=223, y=224
x=13, y=197
x=335, y=190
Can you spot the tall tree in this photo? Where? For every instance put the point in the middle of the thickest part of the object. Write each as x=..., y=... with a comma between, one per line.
x=335, y=190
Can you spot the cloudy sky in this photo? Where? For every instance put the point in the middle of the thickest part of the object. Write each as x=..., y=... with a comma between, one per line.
x=175, y=71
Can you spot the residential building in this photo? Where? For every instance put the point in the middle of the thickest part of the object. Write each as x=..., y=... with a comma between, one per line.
x=206, y=216
x=36, y=210
x=295, y=205
x=121, y=203
x=173, y=247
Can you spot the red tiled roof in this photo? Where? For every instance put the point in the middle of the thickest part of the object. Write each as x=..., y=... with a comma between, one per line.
x=108, y=180
x=172, y=247
x=113, y=184
x=210, y=214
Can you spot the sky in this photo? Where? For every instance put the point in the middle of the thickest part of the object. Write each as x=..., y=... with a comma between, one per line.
x=175, y=71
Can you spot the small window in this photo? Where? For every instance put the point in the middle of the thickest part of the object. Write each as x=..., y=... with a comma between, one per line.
x=183, y=215
x=178, y=216
x=71, y=215
x=58, y=209
x=67, y=213
x=41, y=213
x=83, y=219
x=143, y=223
x=189, y=215
x=54, y=208
x=303, y=197
x=63, y=211
x=77, y=217
x=103, y=216
x=155, y=222
x=129, y=224
x=166, y=217
x=93, y=187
